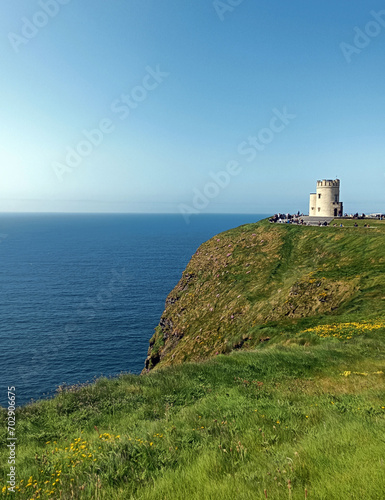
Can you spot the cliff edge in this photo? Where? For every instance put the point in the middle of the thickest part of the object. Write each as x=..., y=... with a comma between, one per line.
x=265, y=283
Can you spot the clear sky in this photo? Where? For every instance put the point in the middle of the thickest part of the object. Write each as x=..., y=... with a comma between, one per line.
x=135, y=105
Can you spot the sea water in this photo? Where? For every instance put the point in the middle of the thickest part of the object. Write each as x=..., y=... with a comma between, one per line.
x=81, y=294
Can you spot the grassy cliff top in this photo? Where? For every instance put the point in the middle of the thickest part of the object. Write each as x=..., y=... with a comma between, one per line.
x=262, y=282
x=301, y=415
x=285, y=419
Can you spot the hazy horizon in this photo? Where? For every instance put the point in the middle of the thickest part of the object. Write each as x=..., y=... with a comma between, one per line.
x=210, y=107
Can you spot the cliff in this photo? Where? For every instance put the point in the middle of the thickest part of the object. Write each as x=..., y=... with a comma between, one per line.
x=297, y=409
x=261, y=282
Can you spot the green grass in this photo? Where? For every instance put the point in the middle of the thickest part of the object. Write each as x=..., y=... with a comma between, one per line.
x=286, y=402
x=228, y=428
x=266, y=279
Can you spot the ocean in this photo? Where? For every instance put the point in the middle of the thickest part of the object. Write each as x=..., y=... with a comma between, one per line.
x=81, y=294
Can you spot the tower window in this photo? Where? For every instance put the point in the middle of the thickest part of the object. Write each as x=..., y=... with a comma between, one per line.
x=319, y=196
x=319, y=209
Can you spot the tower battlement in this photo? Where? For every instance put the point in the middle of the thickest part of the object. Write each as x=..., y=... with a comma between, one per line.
x=328, y=183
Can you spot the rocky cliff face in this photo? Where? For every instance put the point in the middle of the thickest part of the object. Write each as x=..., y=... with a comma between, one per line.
x=241, y=284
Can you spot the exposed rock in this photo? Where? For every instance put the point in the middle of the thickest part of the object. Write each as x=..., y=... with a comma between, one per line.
x=224, y=302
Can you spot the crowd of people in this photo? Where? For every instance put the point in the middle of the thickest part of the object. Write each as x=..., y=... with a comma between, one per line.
x=298, y=219
x=288, y=218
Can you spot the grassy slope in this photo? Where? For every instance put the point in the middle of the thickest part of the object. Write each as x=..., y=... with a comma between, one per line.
x=305, y=410
x=262, y=280
x=228, y=428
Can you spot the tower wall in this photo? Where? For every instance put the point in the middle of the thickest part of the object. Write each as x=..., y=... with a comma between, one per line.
x=313, y=204
x=328, y=197
x=326, y=201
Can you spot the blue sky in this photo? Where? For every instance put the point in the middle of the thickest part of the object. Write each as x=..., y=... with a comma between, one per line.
x=179, y=91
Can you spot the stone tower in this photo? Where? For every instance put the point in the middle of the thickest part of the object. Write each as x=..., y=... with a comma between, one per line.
x=326, y=201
